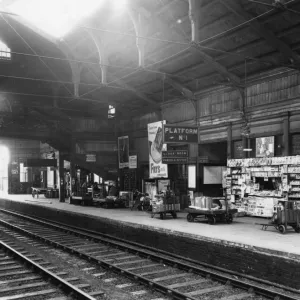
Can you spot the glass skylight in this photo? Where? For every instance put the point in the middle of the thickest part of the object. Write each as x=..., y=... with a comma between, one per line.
x=55, y=17
x=4, y=52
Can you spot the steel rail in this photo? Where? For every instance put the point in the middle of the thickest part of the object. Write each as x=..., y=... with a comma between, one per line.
x=61, y=283
x=153, y=254
x=148, y=282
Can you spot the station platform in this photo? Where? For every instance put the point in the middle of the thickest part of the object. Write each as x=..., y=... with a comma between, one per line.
x=241, y=246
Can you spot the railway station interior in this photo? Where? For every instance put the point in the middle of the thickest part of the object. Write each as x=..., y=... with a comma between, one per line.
x=174, y=124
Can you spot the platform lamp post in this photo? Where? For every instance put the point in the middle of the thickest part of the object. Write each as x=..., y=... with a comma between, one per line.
x=61, y=172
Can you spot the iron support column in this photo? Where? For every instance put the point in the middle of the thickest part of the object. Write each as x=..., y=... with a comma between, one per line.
x=286, y=135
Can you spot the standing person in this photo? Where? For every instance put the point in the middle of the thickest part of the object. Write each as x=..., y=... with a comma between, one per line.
x=112, y=191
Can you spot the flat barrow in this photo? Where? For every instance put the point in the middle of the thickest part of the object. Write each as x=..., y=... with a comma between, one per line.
x=163, y=210
x=213, y=216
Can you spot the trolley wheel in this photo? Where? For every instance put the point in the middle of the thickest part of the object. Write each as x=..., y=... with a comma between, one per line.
x=297, y=229
x=281, y=229
x=162, y=215
x=212, y=220
x=190, y=218
x=229, y=219
x=174, y=215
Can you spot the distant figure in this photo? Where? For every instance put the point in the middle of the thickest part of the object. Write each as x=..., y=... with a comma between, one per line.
x=112, y=191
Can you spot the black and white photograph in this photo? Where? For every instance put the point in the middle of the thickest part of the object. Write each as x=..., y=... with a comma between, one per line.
x=149, y=149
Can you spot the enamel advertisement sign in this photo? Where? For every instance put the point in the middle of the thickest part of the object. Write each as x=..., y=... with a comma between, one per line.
x=155, y=145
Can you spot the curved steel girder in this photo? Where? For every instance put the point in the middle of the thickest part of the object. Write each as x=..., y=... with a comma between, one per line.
x=100, y=45
x=139, y=24
x=101, y=49
x=76, y=67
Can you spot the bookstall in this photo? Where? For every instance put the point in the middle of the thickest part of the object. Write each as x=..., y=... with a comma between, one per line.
x=256, y=185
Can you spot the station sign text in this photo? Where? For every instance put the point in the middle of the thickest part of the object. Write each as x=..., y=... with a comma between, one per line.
x=180, y=134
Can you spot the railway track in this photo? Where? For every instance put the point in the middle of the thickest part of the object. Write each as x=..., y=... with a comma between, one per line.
x=25, y=276
x=175, y=278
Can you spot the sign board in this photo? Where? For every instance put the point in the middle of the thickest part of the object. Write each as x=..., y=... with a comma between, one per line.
x=40, y=163
x=155, y=145
x=90, y=157
x=175, y=160
x=123, y=151
x=203, y=159
x=133, y=162
x=180, y=134
x=175, y=153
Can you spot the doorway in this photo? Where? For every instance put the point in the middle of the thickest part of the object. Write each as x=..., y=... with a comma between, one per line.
x=4, y=160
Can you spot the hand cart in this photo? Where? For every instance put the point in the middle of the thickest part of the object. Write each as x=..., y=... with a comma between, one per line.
x=37, y=191
x=289, y=215
x=213, y=216
x=165, y=207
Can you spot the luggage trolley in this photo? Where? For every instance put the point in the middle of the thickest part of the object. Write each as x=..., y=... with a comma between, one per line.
x=285, y=215
x=167, y=205
x=212, y=215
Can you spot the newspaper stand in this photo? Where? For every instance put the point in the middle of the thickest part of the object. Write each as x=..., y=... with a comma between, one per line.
x=168, y=205
x=288, y=216
x=212, y=215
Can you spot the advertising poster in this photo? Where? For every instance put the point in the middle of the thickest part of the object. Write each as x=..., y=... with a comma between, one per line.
x=155, y=145
x=123, y=151
x=133, y=162
x=265, y=147
x=191, y=177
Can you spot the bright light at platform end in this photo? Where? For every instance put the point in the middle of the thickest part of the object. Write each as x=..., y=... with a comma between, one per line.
x=4, y=155
x=120, y=5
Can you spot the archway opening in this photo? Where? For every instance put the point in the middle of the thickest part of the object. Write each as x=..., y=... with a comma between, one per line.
x=4, y=161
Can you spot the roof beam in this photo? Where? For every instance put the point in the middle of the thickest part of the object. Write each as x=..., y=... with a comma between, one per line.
x=262, y=31
x=187, y=93
x=231, y=77
x=196, y=14
x=100, y=47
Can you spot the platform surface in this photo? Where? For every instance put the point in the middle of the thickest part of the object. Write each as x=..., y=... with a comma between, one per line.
x=242, y=231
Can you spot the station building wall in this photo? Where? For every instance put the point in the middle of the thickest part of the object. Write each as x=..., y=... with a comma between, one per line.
x=269, y=101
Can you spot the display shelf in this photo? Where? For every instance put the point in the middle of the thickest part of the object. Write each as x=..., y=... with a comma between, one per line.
x=252, y=195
